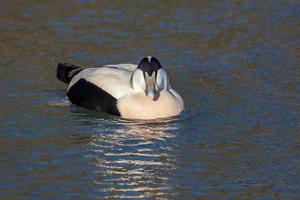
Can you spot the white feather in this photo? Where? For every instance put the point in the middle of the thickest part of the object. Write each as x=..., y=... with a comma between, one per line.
x=138, y=81
x=162, y=81
x=114, y=79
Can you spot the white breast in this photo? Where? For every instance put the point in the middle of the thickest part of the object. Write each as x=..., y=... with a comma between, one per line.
x=139, y=106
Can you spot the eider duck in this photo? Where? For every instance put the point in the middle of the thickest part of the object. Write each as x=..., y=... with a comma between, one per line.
x=131, y=91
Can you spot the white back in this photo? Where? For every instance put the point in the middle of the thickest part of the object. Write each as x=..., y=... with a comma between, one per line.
x=114, y=79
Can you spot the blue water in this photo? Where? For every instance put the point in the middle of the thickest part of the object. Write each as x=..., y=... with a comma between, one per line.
x=236, y=64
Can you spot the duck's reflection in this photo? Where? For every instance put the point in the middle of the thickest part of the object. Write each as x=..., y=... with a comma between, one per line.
x=135, y=159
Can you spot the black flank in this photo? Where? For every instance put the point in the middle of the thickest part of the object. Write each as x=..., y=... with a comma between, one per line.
x=88, y=95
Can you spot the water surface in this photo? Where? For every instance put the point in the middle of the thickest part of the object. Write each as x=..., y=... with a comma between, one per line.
x=236, y=64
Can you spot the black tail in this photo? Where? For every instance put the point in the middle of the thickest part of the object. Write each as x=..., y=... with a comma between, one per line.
x=65, y=71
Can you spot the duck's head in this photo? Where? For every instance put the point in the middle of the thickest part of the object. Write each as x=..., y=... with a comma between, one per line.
x=150, y=77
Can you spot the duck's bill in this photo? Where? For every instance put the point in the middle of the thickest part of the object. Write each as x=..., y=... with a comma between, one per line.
x=151, y=94
x=150, y=91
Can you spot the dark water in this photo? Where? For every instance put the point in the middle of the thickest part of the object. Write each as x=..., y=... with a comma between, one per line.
x=236, y=64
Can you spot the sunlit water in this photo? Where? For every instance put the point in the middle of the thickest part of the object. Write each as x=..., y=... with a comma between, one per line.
x=236, y=64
